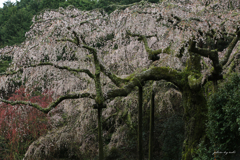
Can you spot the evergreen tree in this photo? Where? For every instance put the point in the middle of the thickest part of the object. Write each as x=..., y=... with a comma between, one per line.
x=15, y=18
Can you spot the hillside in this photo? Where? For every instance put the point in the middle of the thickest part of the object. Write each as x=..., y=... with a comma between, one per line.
x=18, y=16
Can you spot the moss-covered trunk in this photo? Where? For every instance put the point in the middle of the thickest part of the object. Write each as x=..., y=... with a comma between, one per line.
x=195, y=110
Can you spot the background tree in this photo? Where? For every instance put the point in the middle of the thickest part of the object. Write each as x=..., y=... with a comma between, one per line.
x=18, y=16
x=18, y=123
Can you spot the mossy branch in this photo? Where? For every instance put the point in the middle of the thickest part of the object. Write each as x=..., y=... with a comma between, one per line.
x=44, y=110
x=189, y=19
x=64, y=67
x=8, y=51
x=53, y=104
x=155, y=73
x=116, y=80
x=152, y=54
x=231, y=60
x=11, y=72
x=75, y=40
x=50, y=64
x=88, y=21
x=203, y=62
x=66, y=39
x=211, y=54
x=194, y=83
x=91, y=49
x=230, y=48
x=179, y=20
x=230, y=68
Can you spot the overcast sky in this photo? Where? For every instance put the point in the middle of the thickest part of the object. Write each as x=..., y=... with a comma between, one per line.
x=2, y=1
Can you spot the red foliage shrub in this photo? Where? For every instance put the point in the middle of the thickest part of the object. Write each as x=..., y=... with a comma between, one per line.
x=20, y=125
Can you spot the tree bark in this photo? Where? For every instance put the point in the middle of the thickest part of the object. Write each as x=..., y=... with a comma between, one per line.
x=215, y=87
x=100, y=142
x=150, y=156
x=195, y=110
x=140, y=124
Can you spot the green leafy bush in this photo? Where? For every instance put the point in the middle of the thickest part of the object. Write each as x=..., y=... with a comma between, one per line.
x=224, y=118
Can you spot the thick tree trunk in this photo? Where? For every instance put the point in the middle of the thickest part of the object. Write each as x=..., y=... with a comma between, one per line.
x=140, y=124
x=195, y=110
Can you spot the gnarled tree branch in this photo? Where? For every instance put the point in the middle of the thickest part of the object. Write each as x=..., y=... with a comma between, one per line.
x=64, y=67
x=155, y=73
x=152, y=54
x=54, y=65
x=53, y=104
x=115, y=79
x=211, y=54
x=67, y=39
x=12, y=72
x=229, y=49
